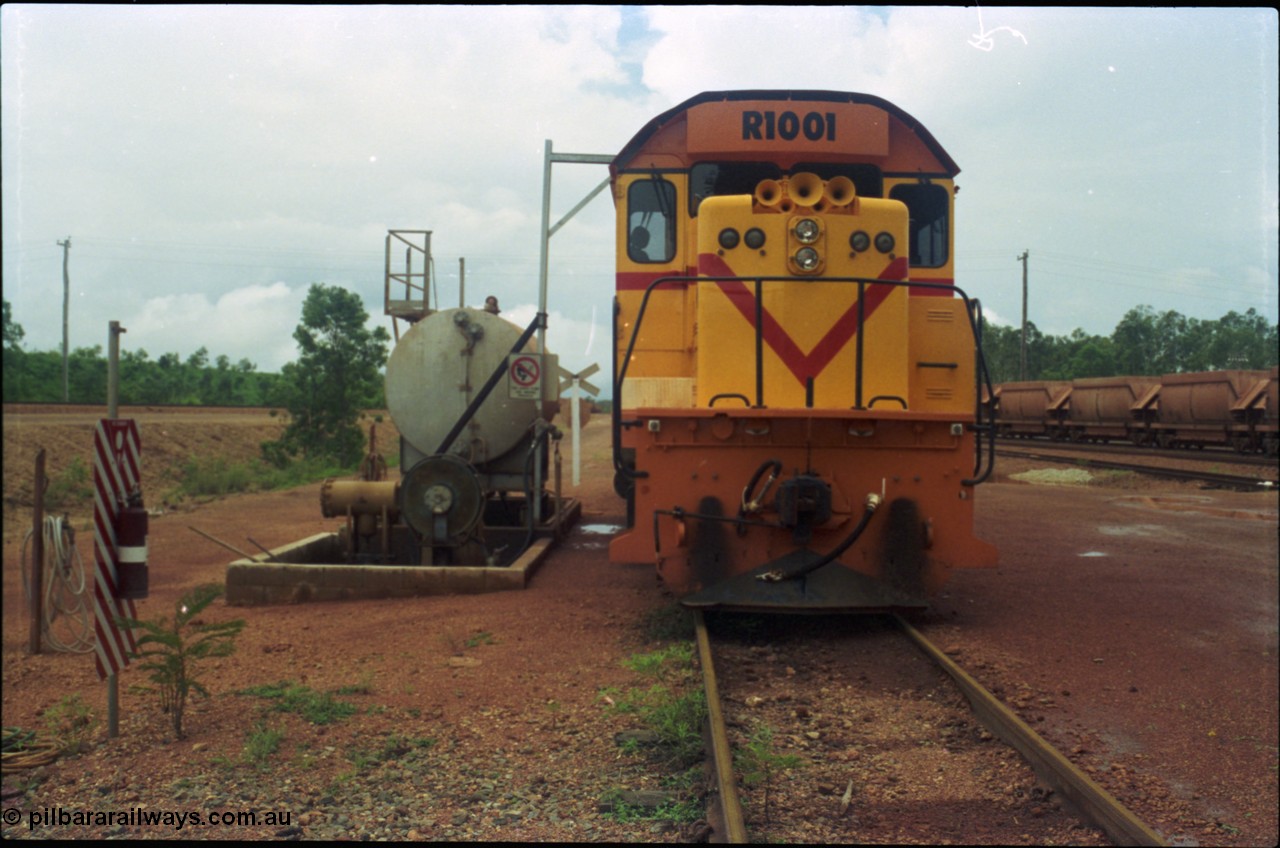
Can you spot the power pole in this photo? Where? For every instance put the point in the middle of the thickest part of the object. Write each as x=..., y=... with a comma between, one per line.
x=66, y=298
x=1022, y=367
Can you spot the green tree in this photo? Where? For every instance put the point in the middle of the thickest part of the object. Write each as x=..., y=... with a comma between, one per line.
x=13, y=331
x=1078, y=355
x=1136, y=342
x=87, y=370
x=14, y=356
x=1094, y=357
x=1241, y=341
x=336, y=377
x=1002, y=350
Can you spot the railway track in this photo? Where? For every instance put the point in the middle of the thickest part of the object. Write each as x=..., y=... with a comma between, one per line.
x=725, y=810
x=97, y=408
x=1207, y=454
x=1241, y=482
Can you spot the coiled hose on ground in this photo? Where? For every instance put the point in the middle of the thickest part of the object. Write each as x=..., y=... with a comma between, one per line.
x=68, y=613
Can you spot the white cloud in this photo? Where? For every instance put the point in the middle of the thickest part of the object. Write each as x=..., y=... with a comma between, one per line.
x=203, y=153
x=578, y=344
x=258, y=320
x=991, y=317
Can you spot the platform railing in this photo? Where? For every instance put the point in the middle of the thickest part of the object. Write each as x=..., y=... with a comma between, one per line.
x=417, y=284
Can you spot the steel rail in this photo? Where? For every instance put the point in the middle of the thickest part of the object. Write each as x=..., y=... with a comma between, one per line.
x=23, y=406
x=1120, y=447
x=1232, y=480
x=735, y=828
x=1090, y=799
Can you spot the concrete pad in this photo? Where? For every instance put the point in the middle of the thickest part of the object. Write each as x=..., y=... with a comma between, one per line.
x=298, y=573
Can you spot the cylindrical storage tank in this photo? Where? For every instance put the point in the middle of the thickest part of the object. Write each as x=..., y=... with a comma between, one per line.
x=440, y=366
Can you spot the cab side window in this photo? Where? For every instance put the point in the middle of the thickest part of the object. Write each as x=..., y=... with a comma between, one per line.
x=927, y=205
x=651, y=221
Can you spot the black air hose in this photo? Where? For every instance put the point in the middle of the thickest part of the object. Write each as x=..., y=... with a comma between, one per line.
x=752, y=504
x=776, y=575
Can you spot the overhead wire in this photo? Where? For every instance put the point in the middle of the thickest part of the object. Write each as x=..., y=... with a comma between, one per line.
x=284, y=258
x=1127, y=275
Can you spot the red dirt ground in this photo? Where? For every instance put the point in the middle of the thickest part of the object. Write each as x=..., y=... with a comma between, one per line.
x=1135, y=625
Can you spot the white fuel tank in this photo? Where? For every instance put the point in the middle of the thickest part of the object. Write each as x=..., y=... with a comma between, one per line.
x=440, y=366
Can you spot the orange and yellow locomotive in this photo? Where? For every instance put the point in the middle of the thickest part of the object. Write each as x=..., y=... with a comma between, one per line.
x=796, y=377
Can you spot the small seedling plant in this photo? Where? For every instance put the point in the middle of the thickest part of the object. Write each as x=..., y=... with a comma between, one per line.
x=173, y=650
x=70, y=724
x=759, y=764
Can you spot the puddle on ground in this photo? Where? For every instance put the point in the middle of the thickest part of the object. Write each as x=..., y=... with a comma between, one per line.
x=591, y=536
x=1133, y=530
x=1093, y=554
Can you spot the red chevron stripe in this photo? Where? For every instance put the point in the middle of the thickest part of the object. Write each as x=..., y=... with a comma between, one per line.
x=801, y=365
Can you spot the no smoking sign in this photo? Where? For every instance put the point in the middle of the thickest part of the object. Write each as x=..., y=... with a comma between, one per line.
x=524, y=376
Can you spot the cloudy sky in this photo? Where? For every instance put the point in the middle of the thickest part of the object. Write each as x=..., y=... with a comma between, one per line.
x=210, y=163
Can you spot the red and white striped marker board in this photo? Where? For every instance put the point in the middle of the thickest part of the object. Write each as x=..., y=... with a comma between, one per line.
x=116, y=450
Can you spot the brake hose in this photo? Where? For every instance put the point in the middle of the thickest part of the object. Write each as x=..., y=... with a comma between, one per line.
x=777, y=574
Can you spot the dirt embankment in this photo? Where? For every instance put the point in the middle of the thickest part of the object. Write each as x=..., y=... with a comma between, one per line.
x=171, y=438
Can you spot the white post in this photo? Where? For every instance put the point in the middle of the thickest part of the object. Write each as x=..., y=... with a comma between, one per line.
x=576, y=417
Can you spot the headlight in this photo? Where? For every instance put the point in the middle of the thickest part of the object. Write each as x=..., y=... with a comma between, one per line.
x=884, y=242
x=860, y=241
x=754, y=238
x=806, y=259
x=806, y=231
x=728, y=238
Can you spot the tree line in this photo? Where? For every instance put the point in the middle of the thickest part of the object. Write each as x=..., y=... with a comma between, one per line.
x=338, y=372
x=37, y=377
x=1144, y=343
x=336, y=377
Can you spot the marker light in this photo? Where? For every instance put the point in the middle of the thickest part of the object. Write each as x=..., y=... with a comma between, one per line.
x=860, y=241
x=884, y=242
x=754, y=238
x=729, y=238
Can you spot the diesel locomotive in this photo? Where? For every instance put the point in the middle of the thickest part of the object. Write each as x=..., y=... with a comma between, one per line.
x=797, y=378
